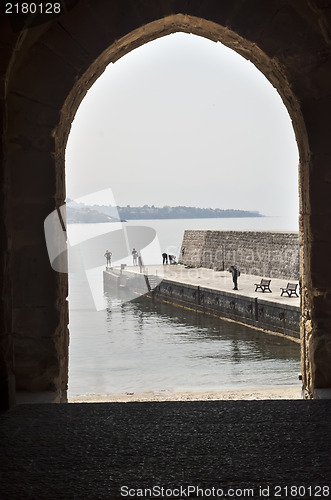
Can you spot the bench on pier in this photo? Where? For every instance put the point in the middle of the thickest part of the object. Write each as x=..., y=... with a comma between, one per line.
x=264, y=285
x=291, y=289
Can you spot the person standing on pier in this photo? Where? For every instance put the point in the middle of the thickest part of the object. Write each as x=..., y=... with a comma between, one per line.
x=135, y=257
x=165, y=258
x=108, y=255
x=235, y=274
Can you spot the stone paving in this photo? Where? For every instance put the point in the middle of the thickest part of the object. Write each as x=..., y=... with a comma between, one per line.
x=90, y=451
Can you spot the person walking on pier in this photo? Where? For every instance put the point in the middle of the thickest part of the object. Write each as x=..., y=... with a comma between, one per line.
x=235, y=274
x=108, y=255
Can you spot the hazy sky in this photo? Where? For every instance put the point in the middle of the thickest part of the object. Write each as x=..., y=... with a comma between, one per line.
x=185, y=121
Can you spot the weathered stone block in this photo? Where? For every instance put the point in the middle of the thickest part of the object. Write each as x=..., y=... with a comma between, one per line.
x=319, y=353
x=40, y=371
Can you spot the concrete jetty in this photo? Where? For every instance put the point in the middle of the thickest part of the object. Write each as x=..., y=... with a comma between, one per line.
x=211, y=292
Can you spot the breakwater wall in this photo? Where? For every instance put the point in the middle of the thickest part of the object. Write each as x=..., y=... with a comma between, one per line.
x=252, y=311
x=260, y=253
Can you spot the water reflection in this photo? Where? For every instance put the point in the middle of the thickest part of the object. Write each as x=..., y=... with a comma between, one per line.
x=197, y=328
x=140, y=346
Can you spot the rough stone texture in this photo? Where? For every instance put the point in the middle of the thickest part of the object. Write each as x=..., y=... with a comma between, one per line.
x=80, y=451
x=261, y=253
x=46, y=71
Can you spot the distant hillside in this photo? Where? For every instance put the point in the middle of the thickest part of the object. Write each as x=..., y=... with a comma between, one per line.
x=180, y=212
x=79, y=213
x=86, y=215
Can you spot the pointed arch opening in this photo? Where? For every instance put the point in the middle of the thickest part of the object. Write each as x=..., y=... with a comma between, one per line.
x=200, y=151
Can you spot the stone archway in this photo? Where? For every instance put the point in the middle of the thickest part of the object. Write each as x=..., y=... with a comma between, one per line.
x=51, y=69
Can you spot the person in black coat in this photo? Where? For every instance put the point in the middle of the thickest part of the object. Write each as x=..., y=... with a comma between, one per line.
x=235, y=273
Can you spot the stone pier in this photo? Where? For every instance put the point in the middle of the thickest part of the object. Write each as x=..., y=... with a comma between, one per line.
x=210, y=292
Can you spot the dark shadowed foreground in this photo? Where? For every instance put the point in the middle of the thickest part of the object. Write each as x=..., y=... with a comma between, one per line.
x=114, y=450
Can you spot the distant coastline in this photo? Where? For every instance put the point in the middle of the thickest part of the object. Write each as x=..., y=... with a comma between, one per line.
x=79, y=213
x=181, y=212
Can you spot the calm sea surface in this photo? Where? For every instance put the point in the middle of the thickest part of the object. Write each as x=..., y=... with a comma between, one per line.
x=140, y=346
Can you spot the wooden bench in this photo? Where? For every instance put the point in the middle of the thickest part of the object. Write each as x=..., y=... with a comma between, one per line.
x=264, y=285
x=291, y=289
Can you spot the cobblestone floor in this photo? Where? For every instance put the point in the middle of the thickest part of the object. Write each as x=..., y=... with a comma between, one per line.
x=256, y=449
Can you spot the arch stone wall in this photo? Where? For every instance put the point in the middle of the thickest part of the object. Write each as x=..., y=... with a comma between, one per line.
x=46, y=71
